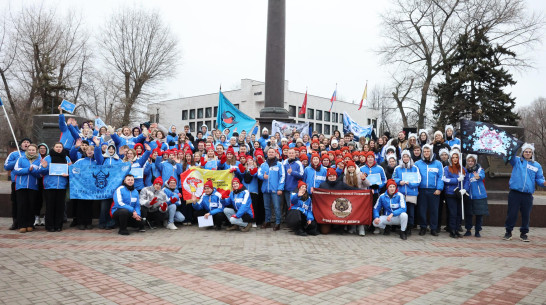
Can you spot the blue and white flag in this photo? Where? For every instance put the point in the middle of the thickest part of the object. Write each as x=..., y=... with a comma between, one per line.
x=96, y=182
x=351, y=126
x=230, y=117
x=487, y=139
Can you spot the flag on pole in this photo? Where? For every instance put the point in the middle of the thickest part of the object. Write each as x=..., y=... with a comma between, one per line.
x=333, y=99
x=304, y=105
x=230, y=117
x=2, y=104
x=351, y=126
x=487, y=139
x=364, y=95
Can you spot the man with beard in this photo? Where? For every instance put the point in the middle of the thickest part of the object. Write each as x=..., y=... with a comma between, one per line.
x=272, y=174
x=126, y=208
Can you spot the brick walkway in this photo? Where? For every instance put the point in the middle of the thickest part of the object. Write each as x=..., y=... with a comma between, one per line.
x=196, y=266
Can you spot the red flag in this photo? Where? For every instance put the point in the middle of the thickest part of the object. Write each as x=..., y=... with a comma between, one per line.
x=304, y=105
x=364, y=95
x=342, y=207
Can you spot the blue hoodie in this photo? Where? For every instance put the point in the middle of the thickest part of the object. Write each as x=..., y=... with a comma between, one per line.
x=275, y=181
x=240, y=202
x=395, y=204
x=126, y=199
x=293, y=178
x=27, y=179
x=9, y=165
x=303, y=206
x=129, y=141
x=432, y=173
x=210, y=203
x=53, y=182
x=168, y=170
x=141, y=163
x=314, y=178
x=251, y=186
x=375, y=170
x=410, y=189
x=475, y=188
x=525, y=174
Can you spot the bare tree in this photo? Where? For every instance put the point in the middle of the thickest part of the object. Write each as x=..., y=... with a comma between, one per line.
x=421, y=34
x=381, y=100
x=141, y=50
x=533, y=119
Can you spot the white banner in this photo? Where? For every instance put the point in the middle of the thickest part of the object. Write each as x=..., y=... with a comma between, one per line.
x=286, y=129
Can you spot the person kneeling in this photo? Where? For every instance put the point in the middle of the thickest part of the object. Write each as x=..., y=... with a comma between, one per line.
x=173, y=202
x=300, y=215
x=153, y=203
x=240, y=214
x=126, y=208
x=209, y=205
x=394, y=207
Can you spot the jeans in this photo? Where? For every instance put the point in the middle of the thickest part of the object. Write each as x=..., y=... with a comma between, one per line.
x=268, y=199
x=522, y=202
x=428, y=203
x=174, y=215
x=234, y=221
x=104, y=217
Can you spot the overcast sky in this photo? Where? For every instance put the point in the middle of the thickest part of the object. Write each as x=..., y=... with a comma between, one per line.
x=327, y=42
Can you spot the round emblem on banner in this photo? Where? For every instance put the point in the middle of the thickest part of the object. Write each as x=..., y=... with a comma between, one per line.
x=342, y=207
x=194, y=183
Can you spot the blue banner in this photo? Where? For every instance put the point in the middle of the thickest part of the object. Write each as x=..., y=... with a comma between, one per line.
x=96, y=182
x=230, y=117
x=351, y=126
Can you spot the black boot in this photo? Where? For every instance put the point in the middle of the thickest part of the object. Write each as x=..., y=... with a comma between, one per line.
x=387, y=230
x=408, y=231
x=403, y=235
x=452, y=234
x=423, y=231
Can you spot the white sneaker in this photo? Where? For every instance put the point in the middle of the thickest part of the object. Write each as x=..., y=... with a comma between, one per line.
x=42, y=221
x=254, y=225
x=171, y=226
x=361, y=230
x=36, y=221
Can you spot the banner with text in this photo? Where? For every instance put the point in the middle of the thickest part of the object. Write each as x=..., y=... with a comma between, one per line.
x=194, y=179
x=342, y=207
x=96, y=182
x=286, y=129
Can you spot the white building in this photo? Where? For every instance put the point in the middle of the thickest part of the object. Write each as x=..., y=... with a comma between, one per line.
x=202, y=109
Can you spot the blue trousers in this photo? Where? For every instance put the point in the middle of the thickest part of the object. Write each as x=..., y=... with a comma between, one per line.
x=104, y=218
x=276, y=200
x=519, y=202
x=427, y=202
x=455, y=212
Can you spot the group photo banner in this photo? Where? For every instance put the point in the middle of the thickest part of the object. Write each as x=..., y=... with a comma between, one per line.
x=342, y=207
x=193, y=181
x=96, y=182
x=286, y=129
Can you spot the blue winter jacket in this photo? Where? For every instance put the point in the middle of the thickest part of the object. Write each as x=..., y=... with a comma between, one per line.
x=126, y=199
x=314, y=178
x=293, y=178
x=252, y=186
x=275, y=181
x=475, y=188
x=89, y=161
x=525, y=174
x=129, y=141
x=26, y=178
x=375, y=169
x=432, y=173
x=172, y=194
x=453, y=142
x=450, y=181
x=263, y=142
x=303, y=206
x=53, y=182
x=66, y=137
x=395, y=204
x=141, y=163
x=210, y=203
x=411, y=189
x=240, y=202
x=9, y=165
x=168, y=170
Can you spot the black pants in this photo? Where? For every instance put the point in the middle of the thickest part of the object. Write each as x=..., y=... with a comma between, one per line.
x=54, y=212
x=25, y=203
x=40, y=199
x=155, y=217
x=443, y=203
x=124, y=218
x=13, y=198
x=217, y=218
x=85, y=211
x=258, y=206
x=297, y=221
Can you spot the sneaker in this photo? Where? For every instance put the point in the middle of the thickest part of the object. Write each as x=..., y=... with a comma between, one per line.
x=81, y=227
x=433, y=232
x=232, y=228
x=468, y=233
x=477, y=234
x=452, y=234
x=361, y=231
x=141, y=229
x=423, y=231
x=387, y=230
x=507, y=236
x=13, y=226
x=403, y=235
x=247, y=228
x=36, y=221
x=42, y=221
x=301, y=232
x=165, y=223
x=524, y=238
x=23, y=230
x=123, y=232
x=171, y=226
x=254, y=225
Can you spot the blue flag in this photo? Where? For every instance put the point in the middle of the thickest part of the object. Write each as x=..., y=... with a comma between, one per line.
x=487, y=139
x=96, y=182
x=1, y=104
x=230, y=117
x=351, y=126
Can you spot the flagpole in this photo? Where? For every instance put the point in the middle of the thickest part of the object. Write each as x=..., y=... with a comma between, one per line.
x=11, y=128
x=462, y=185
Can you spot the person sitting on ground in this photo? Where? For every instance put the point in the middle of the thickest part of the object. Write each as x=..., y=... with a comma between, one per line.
x=173, y=202
x=126, y=208
x=394, y=209
x=300, y=215
x=153, y=203
x=239, y=207
x=209, y=205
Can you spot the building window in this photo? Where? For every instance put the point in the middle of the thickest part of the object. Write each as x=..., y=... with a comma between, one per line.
x=200, y=113
x=319, y=115
x=184, y=115
x=311, y=128
x=208, y=112
x=301, y=116
x=192, y=126
x=326, y=129
x=208, y=125
x=341, y=117
x=236, y=106
x=215, y=111
x=214, y=123
x=292, y=111
x=152, y=118
x=192, y=114
x=326, y=116
x=334, y=117
x=318, y=127
x=310, y=113
x=374, y=123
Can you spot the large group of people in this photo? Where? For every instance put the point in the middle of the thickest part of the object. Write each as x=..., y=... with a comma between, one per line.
x=413, y=178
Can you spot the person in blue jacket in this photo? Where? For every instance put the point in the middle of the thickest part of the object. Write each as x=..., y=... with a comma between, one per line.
x=450, y=136
x=248, y=174
x=54, y=188
x=300, y=216
x=294, y=173
x=377, y=181
x=138, y=162
x=526, y=172
x=209, y=205
x=430, y=188
x=167, y=166
x=27, y=173
x=394, y=209
x=453, y=183
x=264, y=138
x=474, y=187
x=172, y=137
x=84, y=208
x=314, y=174
x=126, y=207
x=410, y=189
x=9, y=165
x=66, y=138
x=271, y=172
x=238, y=207
x=173, y=202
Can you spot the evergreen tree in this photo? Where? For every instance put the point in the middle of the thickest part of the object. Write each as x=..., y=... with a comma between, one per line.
x=475, y=80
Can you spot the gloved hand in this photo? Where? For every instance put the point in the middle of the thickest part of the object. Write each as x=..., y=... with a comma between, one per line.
x=174, y=200
x=163, y=207
x=461, y=178
x=231, y=170
x=241, y=168
x=226, y=194
x=223, y=159
x=154, y=201
x=233, y=216
x=203, y=162
x=254, y=171
x=179, y=195
x=463, y=192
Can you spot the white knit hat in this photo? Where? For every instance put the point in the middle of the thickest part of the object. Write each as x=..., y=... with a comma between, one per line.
x=438, y=132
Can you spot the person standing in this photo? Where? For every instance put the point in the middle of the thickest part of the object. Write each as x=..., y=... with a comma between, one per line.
x=9, y=165
x=430, y=188
x=27, y=173
x=477, y=204
x=272, y=174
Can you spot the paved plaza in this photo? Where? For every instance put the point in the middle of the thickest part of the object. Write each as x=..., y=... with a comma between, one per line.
x=199, y=266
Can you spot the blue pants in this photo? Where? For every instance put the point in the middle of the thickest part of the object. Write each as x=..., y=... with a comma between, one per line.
x=276, y=200
x=522, y=202
x=174, y=215
x=427, y=202
x=104, y=218
x=455, y=212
